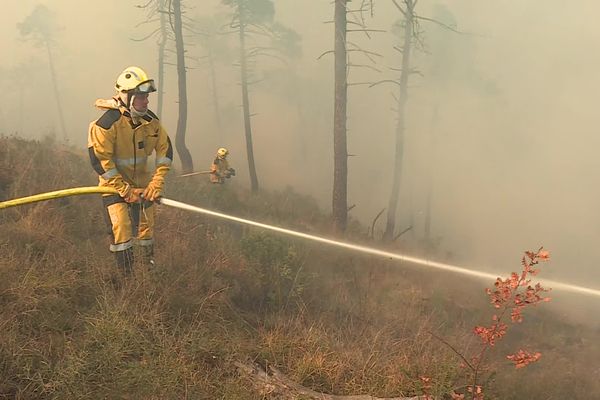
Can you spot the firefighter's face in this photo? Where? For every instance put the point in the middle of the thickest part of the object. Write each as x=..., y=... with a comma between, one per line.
x=140, y=102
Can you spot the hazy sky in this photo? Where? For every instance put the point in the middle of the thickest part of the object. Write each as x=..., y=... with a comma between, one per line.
x=507, y=125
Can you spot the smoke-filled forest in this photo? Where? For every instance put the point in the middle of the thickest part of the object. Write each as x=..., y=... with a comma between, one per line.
x=428, y=166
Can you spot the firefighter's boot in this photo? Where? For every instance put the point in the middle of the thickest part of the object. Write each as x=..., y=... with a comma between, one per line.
x=147, y=253
x=125, y=261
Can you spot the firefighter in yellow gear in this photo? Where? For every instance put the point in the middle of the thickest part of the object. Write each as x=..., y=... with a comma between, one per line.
x=220, y=170
x=119, y=145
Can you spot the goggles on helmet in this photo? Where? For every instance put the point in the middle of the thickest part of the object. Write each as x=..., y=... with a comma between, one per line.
x=144, y=87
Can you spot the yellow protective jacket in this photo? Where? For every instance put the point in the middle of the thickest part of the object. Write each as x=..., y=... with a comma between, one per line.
x=218, y=170
x=119, y=149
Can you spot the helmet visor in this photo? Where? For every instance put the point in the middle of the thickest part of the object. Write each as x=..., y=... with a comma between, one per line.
x=145, y=87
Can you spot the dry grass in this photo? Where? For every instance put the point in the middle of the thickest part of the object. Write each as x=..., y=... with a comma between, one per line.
x=334, y=322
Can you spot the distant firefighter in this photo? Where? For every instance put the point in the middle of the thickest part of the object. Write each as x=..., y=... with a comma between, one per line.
x=119, y=144
x=220, y=170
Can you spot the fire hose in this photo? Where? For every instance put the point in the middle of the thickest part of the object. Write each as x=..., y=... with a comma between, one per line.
x=349, y=246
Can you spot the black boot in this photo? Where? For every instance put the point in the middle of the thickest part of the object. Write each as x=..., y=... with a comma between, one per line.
x=148, y=255
x=125, y=260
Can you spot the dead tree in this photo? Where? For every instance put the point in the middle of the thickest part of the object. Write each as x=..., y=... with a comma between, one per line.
x=40, y=26
x=410, y=39
x=409, y=25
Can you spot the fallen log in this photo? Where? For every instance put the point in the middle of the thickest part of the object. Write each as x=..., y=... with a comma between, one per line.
x=276, y=385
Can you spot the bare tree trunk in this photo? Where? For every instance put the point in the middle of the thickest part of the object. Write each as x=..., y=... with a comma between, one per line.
x=432, y=153
x=215, y=94
x=161, y=55
x=246, y=102
x=187, y=164
x=400, y=127
x=56, y=93
x=340, y=149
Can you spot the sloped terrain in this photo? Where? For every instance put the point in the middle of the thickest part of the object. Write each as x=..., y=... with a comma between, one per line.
x=222, y=294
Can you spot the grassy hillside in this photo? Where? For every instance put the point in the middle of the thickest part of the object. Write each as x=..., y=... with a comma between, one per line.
x=333, y=321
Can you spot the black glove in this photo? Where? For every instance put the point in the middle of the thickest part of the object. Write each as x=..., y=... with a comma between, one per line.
x=231, y=171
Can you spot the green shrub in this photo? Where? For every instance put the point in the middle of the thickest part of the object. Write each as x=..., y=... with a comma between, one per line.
x=276, y=265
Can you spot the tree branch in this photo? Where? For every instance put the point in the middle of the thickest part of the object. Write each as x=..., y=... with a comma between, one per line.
x=366, y=53
x=467, y=363
x=385, y=81
x=359, y=83
x=448, y=27
x=402, y=233
x=154, y=32
x=375, y=221
x=365, y=30
x=399, y=7
x=327, y=52
x=364, y=66
x=145, y=5
x=148, y=21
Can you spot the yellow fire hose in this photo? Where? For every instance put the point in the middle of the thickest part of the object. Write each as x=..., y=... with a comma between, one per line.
x=56, y=195
x=349, y=246
x=196, y=173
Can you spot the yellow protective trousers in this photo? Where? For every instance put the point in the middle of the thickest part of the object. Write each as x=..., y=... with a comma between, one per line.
x=129, y=223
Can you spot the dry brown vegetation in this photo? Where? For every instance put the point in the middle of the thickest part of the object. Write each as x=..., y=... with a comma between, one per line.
x=331, y=321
